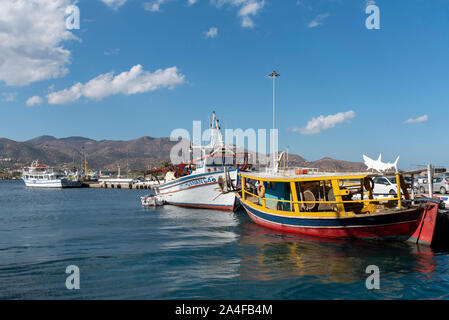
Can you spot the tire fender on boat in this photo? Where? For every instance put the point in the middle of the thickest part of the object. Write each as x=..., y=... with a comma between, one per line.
x=368, y=183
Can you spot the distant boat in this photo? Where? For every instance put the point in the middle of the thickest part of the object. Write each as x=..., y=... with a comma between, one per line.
x=210, y=185
x=117, y=180
x=40, y=176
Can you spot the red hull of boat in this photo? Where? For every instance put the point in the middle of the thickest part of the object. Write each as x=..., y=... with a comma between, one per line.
x=417, y=227
x=400, y=231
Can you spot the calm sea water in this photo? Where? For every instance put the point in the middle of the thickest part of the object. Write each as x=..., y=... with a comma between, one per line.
x=125, y=251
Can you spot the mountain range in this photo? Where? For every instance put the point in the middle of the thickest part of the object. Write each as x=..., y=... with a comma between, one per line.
x=138, y=154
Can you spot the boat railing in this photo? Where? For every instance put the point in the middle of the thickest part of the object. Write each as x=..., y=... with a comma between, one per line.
x=289, y=171
x=36, y=171
x=292, y=203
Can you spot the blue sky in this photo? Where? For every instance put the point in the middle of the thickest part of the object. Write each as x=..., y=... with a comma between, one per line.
x=329, y=62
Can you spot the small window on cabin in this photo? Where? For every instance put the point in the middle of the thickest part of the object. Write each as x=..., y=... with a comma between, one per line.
x=271, y=185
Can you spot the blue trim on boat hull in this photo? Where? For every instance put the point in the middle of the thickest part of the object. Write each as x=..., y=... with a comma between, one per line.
x=190, y=177
x=343, y=222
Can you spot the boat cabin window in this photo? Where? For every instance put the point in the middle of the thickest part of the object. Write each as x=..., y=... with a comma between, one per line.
x=313, y=191
x=199, y=164
x=275, y=195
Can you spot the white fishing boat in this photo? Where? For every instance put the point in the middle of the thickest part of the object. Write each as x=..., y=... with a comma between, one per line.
x=152, y=201
x=211, y=182
x=41, y=176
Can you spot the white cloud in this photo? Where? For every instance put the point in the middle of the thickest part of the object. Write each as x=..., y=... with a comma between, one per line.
x=302, y=4
x=250, y=8
x=316, y=125
x=247, y=9
x=32, y=33
x=247, y=22
x=212, y=33
x=423, y=118
x=9, y=96
x=114, y=4
x=153, y=6
x=136, y=80
x=318, y=20
x=34, y=101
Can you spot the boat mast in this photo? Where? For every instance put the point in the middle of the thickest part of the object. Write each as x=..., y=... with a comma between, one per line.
x=85, y=164
x=216, y=136
x=273, y=75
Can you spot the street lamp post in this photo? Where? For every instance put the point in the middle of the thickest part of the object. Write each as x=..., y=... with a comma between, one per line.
x=273, y=75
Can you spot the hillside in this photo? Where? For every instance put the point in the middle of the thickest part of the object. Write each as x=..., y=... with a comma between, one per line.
x=142, y=153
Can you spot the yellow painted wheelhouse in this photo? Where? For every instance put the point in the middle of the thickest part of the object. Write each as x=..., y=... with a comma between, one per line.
x=337, y=205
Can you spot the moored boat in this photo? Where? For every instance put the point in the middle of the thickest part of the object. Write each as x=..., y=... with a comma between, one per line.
x=211, y=182
x=334, y=205
x=152, y=201
x=40, y=176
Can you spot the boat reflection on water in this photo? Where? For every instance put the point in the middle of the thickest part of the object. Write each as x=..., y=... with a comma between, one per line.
x=278, y=255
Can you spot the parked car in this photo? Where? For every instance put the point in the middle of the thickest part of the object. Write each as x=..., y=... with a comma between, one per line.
x=385, y=185
x=444, y=175
x=440, y=184
x=422, y=180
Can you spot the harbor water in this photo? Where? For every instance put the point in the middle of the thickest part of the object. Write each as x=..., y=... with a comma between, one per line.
x=124, y=251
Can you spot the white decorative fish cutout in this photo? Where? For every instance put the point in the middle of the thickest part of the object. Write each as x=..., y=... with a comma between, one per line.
x=380, y=166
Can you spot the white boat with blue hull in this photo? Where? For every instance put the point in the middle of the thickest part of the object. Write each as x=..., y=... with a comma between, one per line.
x=40, y=176
x=211, y=184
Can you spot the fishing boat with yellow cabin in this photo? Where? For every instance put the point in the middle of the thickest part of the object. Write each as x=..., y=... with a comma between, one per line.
x=334, y=205
x=339, y=205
